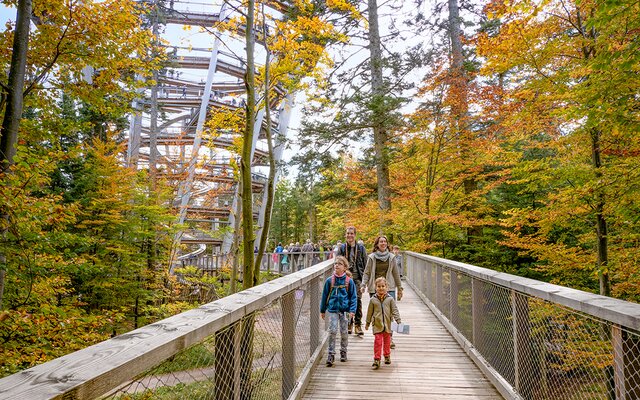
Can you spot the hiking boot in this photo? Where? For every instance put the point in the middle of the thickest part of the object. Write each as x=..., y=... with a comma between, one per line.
x=343, y=356
x=376, y=364
x=330, y=360
x=359, y=331
x=387, y=360
x=350, y=327
x=393, y=345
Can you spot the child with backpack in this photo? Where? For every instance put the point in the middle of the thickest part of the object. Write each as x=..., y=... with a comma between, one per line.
x=382, y=308
x=339, y=300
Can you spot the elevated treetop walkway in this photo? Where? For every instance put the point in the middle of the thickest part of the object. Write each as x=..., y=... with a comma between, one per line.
x=426, y=364
x=530, y=340
x=168, y=130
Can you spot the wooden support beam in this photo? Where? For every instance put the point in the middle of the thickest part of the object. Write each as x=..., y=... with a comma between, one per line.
x=626, y=363
x=523, y=363
x=288, y=303
x=314, y=314
x=477, y=306
x=439, y=296
x=454, y=308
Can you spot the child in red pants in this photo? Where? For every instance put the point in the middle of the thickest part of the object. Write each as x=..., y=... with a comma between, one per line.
x=382, y=308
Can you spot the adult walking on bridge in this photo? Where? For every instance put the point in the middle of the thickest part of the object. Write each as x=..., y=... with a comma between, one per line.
x=381, y=263
x=398, y=259
x=356, y=254
x=307, y=250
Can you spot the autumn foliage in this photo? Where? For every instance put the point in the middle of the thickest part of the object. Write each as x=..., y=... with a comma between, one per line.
x=521, y=157
x=547, y=135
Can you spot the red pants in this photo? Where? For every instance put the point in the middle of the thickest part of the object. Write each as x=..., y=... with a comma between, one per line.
x=381, y=342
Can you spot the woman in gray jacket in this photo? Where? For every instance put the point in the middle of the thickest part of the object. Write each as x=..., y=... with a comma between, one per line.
x=381, y=263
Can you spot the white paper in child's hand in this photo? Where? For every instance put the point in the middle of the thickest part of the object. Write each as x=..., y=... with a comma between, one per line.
x=400, y=328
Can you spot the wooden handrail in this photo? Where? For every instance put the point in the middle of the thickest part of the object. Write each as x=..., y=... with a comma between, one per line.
x=98, y=369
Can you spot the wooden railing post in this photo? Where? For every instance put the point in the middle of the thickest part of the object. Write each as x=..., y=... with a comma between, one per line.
x=288, y=342
x=626, y=363
x=453, y=298
x=421, y=274
x=429, y=281
x=477, y=305
x=439, y=297
x=244, y=358
x=227, y=371
x=314, y=314
x=521, y=342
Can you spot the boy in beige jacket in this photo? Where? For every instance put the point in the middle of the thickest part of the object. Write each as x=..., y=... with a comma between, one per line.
x=382, y=308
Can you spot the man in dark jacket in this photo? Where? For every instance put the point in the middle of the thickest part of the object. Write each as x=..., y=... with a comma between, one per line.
x=357, y=256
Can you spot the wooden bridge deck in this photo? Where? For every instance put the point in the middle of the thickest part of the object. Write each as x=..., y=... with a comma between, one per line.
x=427, y=364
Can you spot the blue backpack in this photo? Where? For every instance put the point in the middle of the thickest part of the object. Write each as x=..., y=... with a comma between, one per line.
x=333, y=286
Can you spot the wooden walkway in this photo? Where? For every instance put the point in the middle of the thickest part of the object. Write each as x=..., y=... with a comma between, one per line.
x=427, y=364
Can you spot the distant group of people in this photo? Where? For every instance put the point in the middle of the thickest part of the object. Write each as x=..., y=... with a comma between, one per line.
x=355, y=272
x=296, y=256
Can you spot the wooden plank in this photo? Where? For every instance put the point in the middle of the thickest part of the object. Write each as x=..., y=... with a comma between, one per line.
x=426, y=364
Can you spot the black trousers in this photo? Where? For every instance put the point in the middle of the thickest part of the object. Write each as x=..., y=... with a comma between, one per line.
x=358, y=316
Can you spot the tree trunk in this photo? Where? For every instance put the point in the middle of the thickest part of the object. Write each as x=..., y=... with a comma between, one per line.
x=455, y=35
x=380, y=134
x=272, y=162
x=459, y=109
x=249, y=280
x=311, y=217
x=13, y=111
x=602, y=262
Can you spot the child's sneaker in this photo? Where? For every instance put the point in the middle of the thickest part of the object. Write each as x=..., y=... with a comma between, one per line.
x=393, y=345
x=387, y=360
x=330, y=360
x=343, y=356
x=376, y=364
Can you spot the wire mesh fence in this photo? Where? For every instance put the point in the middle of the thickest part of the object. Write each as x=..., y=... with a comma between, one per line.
x=281, y=263
x=583, y=346
x=258, y=357
x=256, y=344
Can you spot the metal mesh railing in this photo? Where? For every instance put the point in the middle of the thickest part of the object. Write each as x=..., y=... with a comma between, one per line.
x=258, y=357
x=285, y=263
x=281, y=263
x=579, y=346
x=257, y=344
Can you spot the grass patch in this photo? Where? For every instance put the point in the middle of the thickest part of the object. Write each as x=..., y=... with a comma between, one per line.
x=198, y=390
x=197, y=356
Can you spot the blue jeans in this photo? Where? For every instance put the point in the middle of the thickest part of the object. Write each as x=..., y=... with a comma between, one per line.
x=336, y=319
